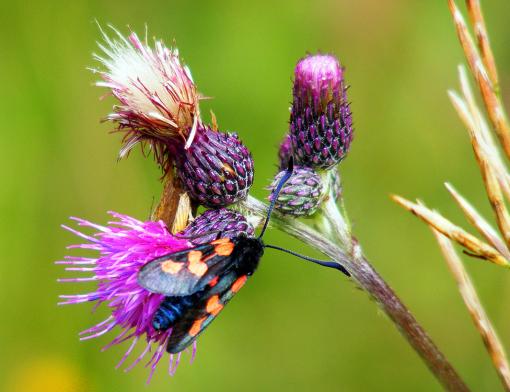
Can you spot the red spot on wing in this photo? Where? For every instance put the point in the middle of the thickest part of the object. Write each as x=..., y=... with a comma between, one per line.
x=236, y=286
x=224, y=249
x=196, y=266
x=197, y=325
x=194, y=256
x=214, y=281
x=220, y=241
x=213, y=305
x=171, y=267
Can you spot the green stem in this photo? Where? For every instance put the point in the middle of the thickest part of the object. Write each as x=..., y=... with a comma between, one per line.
x=365, y=276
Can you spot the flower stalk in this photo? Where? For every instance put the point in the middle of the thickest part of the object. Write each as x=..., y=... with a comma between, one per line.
x=367, y=278
x=174, y=205
x=334, y=222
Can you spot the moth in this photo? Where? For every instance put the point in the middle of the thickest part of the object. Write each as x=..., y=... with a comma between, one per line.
x=197, y=283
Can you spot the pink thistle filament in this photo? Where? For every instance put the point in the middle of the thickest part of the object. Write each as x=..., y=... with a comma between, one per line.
x=124, y=246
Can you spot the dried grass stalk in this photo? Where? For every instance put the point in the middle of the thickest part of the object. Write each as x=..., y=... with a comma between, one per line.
x=488, y=90
x=478, y=222
x=472, y=244
x=494, y=173
x=476, y=310
x=482, y=38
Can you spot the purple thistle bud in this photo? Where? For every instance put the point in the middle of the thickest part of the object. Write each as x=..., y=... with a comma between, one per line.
x=217, y=169
x=220, y=223
x=285, y=152
x=124, y=245
x=158, y=99
x=301, y=195
x=320, y=120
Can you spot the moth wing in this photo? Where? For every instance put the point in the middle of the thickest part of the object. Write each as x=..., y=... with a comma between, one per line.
x=186, y=272
x=198, y=317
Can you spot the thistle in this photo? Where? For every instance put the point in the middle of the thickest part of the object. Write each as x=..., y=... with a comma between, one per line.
x=217, y=169
x=213, y=224
x=301, y=195
x=159, y=108
x=158, y=98
x=124, y=246
x=320, y=119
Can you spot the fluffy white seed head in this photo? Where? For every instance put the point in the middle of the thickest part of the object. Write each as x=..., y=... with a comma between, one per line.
x=157, y=96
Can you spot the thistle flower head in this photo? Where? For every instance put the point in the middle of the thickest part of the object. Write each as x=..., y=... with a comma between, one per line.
x=217, y=169
x=219, y=223
x=317, y=79
x=302, y=193
x=157, y=96
x=124, y=246
x=320, y=121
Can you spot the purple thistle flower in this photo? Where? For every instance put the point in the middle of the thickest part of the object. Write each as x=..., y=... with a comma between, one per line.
x=125, y=245
x=159, y=108
x=159, y=102
x=217, y=169
x=220, y=223
x=320, y=120
x=301, y=195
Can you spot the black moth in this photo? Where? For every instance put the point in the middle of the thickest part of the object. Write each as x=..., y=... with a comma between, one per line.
x=199, y=282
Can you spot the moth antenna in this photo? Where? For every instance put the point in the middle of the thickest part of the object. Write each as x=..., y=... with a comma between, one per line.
x=276, y=193
x=329, y=264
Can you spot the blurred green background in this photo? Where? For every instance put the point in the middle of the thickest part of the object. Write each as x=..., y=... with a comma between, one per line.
x=295, y=326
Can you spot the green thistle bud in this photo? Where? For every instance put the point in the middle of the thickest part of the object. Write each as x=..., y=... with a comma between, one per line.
x=301, y=195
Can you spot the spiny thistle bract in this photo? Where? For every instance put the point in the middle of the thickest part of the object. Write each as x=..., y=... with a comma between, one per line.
x=124, y=245
x=217, y=223
x=301, y=195
x=217, y=169
x=159, y=108
x=320, y=120
x=332, y=178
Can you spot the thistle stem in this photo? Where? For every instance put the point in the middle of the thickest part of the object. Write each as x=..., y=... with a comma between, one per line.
x=371, y=282
x=167, y=206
